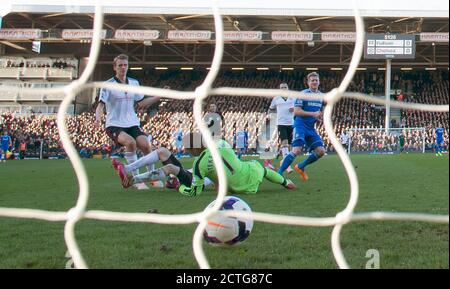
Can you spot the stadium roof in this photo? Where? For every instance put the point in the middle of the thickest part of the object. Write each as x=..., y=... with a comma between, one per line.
x=407, y=17
x=401, y=8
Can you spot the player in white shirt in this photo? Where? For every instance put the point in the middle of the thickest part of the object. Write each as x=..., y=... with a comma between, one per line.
x=285, y=120
x=122, y=123
x=344, y=139
x=215, y=121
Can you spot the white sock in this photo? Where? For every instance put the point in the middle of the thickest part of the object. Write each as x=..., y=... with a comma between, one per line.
x=151, y=167
x=149, y=159
x=208, y=182
x=284, y=150
x=131, y=157
x=157, y=175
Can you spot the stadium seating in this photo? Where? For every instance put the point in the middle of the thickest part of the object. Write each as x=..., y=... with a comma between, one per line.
x=430, y=87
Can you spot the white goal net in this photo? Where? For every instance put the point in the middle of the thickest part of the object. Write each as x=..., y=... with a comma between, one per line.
x=342, y=217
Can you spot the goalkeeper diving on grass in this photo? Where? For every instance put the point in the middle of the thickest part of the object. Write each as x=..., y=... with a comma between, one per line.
x=242, y=176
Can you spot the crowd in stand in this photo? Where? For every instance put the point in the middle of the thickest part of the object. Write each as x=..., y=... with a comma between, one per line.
x=371, y=141
x=61, y=63
x=250, y=112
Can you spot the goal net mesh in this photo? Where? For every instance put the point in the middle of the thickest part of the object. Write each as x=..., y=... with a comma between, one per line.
x=343, y=216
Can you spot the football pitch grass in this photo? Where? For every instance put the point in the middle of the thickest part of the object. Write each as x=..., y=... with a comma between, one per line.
x=391, y=183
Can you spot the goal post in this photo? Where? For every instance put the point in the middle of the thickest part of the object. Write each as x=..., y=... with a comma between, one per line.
x=393, y=141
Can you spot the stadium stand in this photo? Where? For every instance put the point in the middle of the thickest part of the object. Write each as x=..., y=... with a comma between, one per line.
x=430, y=87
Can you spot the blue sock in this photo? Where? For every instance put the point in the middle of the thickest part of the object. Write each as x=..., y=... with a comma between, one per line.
x=287, y=162
x=312, y=158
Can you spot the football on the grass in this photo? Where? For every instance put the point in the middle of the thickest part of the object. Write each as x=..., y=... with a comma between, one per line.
x=228, y=231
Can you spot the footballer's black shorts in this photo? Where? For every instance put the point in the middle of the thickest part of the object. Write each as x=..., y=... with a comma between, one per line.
x=285, y=132
x=114, y=131
x=185, y=177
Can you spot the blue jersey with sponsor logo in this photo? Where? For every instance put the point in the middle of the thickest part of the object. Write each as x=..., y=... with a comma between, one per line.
x=241, y=139
x=439, y=133
x=310, y=106
x=6, y=139
x=178, y=136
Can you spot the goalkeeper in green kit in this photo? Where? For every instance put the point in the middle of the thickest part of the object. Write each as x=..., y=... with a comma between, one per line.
x=242, y=176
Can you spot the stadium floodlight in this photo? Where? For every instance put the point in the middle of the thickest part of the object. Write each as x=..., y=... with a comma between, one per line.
x=187, y=68
x=161, y=68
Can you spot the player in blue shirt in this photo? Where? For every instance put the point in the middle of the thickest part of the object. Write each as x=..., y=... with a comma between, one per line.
x=241, y=142
x=439, y=140
x=178, y=137
x=306, y=112
x=5, y=143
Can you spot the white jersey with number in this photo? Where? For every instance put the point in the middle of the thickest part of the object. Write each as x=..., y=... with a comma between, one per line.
x=284, y=116
x=120, y=110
